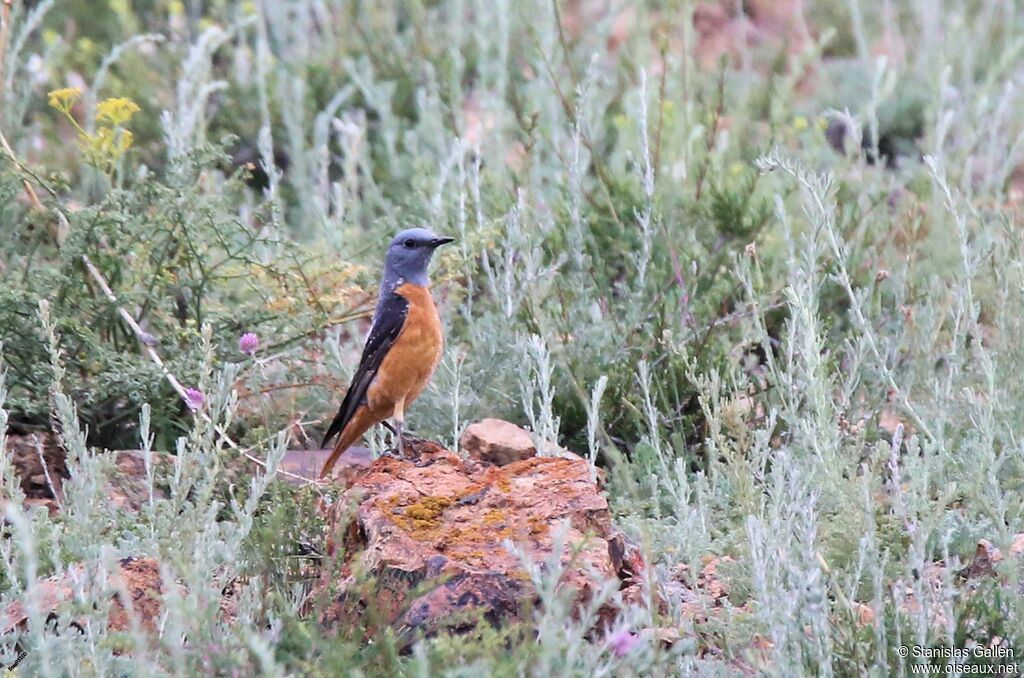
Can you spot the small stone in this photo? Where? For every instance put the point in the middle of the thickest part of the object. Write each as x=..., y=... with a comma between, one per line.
x=497, y=442
x=865, y=615
x=665, y=635
x=986, y=557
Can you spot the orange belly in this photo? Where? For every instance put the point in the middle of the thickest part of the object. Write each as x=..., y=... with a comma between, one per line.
x=412, y=359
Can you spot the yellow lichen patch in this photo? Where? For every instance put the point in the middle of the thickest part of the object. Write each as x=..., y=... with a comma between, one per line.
x=473, y=557
x=423, y=516
x=428, y=509
x=494, y=517
x=481, y=532
x=447, y=538
x=503, y=484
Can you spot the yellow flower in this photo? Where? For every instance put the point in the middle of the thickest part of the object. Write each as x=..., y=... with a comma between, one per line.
x=736, y=168
x=63, y=98
x=85, y=46
x=800, y=123
x=116, y=111
x=107, y=145
x=122, y=8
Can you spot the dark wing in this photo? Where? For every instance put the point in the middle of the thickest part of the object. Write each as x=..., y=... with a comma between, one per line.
x=386, y=328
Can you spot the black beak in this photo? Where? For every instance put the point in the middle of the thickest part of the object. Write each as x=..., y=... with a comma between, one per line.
x=437, y=242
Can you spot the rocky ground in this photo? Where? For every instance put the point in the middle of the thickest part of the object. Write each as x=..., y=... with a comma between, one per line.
x=440, y=535
x=431, y=530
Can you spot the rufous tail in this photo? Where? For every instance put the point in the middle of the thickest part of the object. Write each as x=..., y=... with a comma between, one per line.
x=360, y=423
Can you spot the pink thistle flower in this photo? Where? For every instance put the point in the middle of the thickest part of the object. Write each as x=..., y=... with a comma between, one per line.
x=248, y=343
x=623, y=642
x=194, y=398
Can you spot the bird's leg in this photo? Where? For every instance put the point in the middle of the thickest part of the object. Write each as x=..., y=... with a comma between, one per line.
x=399, y=417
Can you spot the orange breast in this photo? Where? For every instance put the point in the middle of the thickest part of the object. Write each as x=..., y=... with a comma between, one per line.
x=414, y=356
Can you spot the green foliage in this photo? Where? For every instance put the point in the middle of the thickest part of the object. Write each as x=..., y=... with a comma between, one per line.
x=172, y=251
x=678, y=255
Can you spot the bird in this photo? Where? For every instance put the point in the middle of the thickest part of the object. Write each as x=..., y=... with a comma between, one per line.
x=402, y=350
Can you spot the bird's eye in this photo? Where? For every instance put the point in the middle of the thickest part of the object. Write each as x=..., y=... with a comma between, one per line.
x=410, y=243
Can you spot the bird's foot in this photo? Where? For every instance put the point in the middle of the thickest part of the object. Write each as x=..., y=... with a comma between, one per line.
x=398, y=441
x=401, y=440
x=404, y=445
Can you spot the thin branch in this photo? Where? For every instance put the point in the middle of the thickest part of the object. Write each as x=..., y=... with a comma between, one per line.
x=46, y=472
x=148, y=342
x=5, y=29
x=32, y=195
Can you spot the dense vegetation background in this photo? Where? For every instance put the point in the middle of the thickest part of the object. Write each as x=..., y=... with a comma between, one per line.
x=762, y=261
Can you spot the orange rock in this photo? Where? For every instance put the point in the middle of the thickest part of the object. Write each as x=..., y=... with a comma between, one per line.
x=709, y=577
x=723, y=28
x=703, y=595
x=43, y=486
x=48, y=595
x=28, y=455
x=865, y=614
x=139, y=577
x=433, y=533
x=987, y=556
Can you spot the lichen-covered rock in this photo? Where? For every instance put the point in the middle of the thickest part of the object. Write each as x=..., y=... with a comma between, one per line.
x=40, y=464
x=497, y=442
x=987, y=557
x=139, y=578
x=432, y=533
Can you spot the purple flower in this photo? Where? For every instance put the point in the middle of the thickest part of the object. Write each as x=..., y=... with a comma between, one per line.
x=248, y=343
x=623, y=642
x=194, y=398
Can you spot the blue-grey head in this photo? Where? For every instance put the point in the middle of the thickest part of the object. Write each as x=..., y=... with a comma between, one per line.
x=409, y=256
